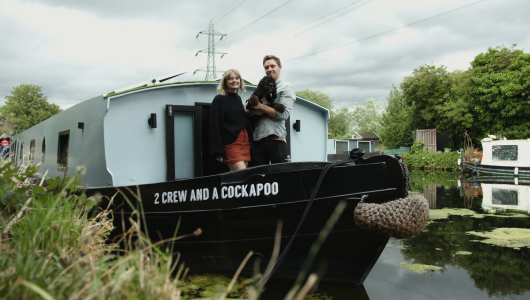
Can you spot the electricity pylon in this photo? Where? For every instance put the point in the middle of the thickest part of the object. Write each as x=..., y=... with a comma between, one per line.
x=211, y=72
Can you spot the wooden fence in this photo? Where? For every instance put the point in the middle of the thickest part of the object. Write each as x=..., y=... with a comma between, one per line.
x=428, y=137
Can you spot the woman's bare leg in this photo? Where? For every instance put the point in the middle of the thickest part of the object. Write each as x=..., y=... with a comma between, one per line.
x=240, y=165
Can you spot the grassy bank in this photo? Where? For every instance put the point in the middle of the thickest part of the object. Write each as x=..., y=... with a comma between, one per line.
x=419, y=159
x=53, y=246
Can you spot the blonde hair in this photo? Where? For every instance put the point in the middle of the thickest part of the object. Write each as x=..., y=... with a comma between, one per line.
x=222, y=88
x=269, y=57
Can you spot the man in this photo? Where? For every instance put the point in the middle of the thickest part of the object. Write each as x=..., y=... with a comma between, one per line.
x=270, y=133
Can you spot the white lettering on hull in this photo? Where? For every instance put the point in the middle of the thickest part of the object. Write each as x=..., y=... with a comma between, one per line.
x=227, y=192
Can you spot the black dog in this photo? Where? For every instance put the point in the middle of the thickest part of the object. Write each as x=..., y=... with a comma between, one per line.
x=265, y=93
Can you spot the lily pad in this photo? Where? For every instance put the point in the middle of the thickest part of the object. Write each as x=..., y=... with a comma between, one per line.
x=515, y=238
x=420, y=268
x=437, y=214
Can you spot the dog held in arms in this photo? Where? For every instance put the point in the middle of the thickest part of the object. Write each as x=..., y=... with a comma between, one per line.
x=265, y=93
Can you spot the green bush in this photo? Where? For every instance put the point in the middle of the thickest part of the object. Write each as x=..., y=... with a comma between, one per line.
x=424, y=159
x=417, y=147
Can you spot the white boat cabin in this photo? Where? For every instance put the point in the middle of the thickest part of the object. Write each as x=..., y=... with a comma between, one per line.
x=510, y=153
x=150, y=134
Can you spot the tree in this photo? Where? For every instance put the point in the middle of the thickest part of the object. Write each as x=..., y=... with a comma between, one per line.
x=439, y=99
x=396, y=121
x=7, y=124
x=320, y=98
x=366, y=117
x=340, y=121
x=500, y=93
x=27, y=106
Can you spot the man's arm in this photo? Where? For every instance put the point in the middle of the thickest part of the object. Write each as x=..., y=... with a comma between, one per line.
x=265, y=109
x=286, y=98
x=252, y=112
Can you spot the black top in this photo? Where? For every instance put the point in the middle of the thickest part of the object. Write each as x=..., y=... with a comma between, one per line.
x=227, y=119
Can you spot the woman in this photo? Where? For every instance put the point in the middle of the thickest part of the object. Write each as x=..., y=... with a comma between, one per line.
x=229, y=142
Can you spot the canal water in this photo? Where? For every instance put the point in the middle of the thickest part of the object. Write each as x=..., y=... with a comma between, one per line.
x=475, y=246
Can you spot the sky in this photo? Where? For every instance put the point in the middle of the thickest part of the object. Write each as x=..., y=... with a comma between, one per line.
x=351, y=49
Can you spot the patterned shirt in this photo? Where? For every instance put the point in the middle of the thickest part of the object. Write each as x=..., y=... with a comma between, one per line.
x=267, y=125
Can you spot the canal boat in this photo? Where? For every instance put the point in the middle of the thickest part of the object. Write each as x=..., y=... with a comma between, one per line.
x=150, y=144
x=501, y=158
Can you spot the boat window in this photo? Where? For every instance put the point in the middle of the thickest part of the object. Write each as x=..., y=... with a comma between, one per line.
x=43, y=148
x=13, y=150
x=341, y=147
x=31, y=151
x=62, y=150
x=504, y=197
x=505, y=153
x=21, y=154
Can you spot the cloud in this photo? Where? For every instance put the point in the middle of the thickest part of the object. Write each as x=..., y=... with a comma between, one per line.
x=78, y=49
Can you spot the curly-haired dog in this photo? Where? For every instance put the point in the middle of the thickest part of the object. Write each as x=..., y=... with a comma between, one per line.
x=265, y=93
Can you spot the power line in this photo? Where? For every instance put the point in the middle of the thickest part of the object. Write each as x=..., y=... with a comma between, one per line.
x=230, y=9
x=325, y=15
x=388, y=31
x=230, y=34
x=333, y=18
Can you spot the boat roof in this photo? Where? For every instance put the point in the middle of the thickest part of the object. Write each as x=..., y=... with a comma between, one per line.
x=489, y=140
x=119, y=92
x=114, y=93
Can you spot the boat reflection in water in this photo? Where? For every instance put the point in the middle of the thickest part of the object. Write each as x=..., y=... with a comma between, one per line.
x=500, y=194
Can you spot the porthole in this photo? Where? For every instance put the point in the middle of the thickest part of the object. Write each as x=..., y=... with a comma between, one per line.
x=43, y=149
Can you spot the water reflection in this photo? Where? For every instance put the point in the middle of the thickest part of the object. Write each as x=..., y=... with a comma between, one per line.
x=499, y=271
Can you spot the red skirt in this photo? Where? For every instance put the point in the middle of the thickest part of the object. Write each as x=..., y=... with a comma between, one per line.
x=238, y=150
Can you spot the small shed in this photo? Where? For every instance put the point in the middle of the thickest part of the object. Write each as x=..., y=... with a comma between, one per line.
x=344, y=146
x=367, y=137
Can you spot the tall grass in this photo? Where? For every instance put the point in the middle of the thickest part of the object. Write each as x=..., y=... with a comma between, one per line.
x=59, y=249
x=53, y=246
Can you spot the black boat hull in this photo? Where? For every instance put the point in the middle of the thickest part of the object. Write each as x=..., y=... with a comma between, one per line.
x=233, y=226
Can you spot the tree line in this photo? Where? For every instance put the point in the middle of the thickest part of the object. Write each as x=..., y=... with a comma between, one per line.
x=491, y=97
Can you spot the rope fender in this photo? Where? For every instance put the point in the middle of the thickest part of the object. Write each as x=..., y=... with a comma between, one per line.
x=401, y=218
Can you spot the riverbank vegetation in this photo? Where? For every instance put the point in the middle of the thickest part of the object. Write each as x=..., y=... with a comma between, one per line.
x=420, y=159
x=54, y=247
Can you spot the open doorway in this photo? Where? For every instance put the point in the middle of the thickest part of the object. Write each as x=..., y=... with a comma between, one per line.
x=209, y=164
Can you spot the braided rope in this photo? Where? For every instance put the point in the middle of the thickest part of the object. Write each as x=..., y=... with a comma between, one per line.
x=400, y=218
